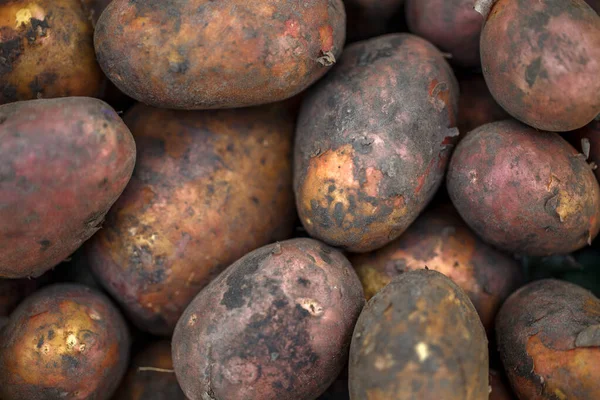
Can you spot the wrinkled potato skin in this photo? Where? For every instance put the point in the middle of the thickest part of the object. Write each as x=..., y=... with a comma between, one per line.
x=209, y=186
x=440, y=240
x=590, y=132
x=63, y=163
x=548, y=337
x=157, y=384
x=524, y=191
x=541, y=61
x=499, y=390
x=373, y=140
x=476, y=105
x=401, y=344
x=276, y=324
x=65, y=341
x=452, y=25
x=46, y=50
x=203, y=54
x=370, y=18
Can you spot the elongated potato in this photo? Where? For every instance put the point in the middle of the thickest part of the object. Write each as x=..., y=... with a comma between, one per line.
x=419, y=338
x=275, y=325
x=63, y=163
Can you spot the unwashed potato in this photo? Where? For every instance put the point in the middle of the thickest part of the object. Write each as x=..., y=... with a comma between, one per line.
x=441, y=241
x=373, y=140
x=419, y=338
x=63, y=342
x=203, y=54
x=46, y=50
x=549, y=340
x=370, y=18
x=476, y=106
x=63, y=163
x=524, y=191
x=275, y=325
x=209, y=186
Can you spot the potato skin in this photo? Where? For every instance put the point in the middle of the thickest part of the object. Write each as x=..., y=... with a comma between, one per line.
x=49, y=51
x=524, y=191
x=275, y=325
x=541, y=61
x=476, y=105
x=548, y=337
x=209, y=186
x=203, y=54
x=401, y=344
x=365, y=163
x=64, y=341
x=63, y=163
x=591, y=132
x=370, y=18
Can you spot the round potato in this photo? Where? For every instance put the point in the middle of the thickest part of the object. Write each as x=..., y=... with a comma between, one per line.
x=65, y=341
x=275, y=325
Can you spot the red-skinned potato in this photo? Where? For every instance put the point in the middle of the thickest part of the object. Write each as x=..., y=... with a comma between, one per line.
x=541, y=60
x=587, y=140
x=370, y=18
x=275, y=325
x=476, y=106
x=549, y=340
x=209, y=186
x=64, y=341
x=204, y=54
x=63, y=163
x=373, y=140
x=524, y=191
x=499, y=390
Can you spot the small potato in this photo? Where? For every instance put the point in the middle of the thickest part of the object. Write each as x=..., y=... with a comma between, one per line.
x=419, y=338
x=524, y=191
x=63, y=342
x=63, y=163
x=275, y=325
x=370, y=18
x=549, y=341
x=476, y=106
x=46, y=50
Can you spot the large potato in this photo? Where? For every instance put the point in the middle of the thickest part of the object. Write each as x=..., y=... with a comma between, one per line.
x=203, y=54
x=46, y=50
x=275, y=325
x=63, y=163
x=63, y=342
x=419, y=338
x=549, y=340
x=209, y=187
x=373, y=140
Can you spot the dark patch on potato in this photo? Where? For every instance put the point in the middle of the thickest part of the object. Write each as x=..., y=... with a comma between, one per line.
x=240, y=281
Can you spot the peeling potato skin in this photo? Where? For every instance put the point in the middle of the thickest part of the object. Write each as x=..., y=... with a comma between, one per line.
x=370, y=18
x=63, y=163
x=46, y=50
x=204, y=54
x=64, y=341
x=476, y=105
x=548, y=337
x=276, y=324
x=591, y=132
x=541, y=61
x=209, y=187
x=452, y=25
x=524, y=191
x=419, y=338
x=499, y=390
x=440, y=240
x=373, y=141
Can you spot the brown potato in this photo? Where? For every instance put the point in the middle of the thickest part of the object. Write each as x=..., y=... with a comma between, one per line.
x=476, y=106
x=275, y=325
x=64, y=341
x=549, y=340
x=204, y=54
x=209, y=187
x=419, y=338
x=63, y=163
x=46, y=50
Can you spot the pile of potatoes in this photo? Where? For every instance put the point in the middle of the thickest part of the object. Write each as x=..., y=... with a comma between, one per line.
x=299, y=200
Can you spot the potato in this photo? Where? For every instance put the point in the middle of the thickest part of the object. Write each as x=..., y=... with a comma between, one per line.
x=275, y=325
x=587, y=140
x=203, y=54
x=151, y=376
x=373, y=140
x=441, y=241
x=63, y=163
x=499, y=391
x=419, y=338
x=209, y=187
x=370, y=18
x=64, y=341
x=476, y=105
x=524, y=191
x=46, y=50
x=549, y=340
